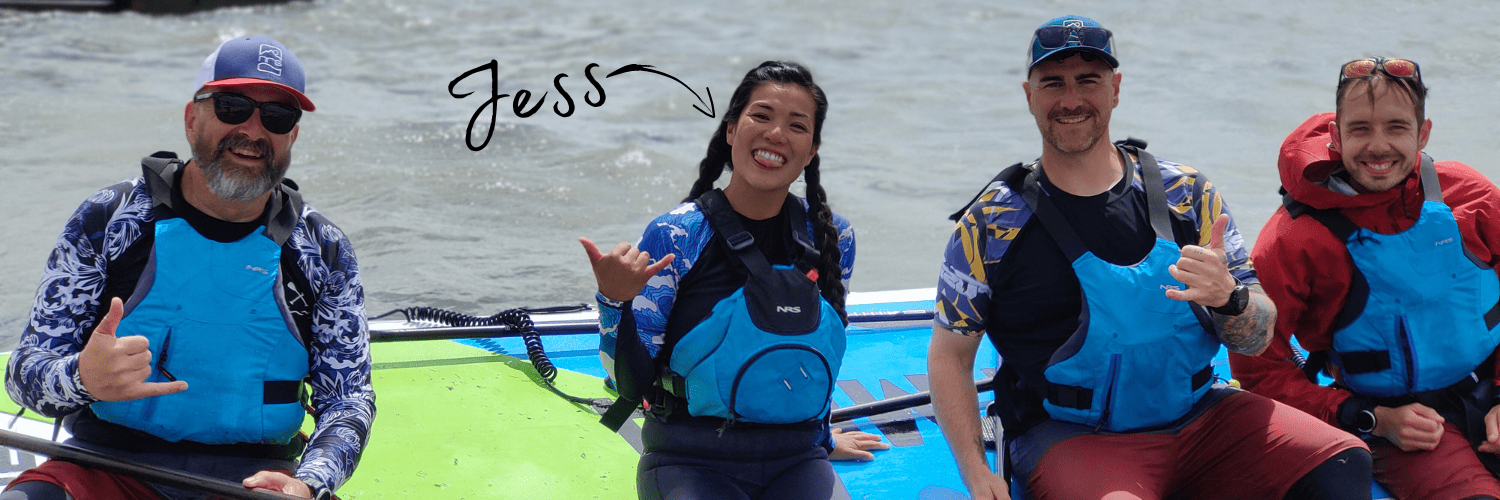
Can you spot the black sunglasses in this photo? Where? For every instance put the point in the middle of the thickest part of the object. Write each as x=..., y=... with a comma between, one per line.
x=1056, y=37
x=234, y=109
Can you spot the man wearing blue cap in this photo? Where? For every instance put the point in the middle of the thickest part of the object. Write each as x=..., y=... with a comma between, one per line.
x=182, y=312
x=1108, y=280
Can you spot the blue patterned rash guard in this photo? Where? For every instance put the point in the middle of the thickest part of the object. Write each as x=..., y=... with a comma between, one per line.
x=101, y=254
x=1004, y=276
x=683, y=232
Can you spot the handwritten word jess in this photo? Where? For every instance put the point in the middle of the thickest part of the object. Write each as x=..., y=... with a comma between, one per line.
x=523, y=97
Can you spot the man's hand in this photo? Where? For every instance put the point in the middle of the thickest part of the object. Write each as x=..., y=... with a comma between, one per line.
x=1204, y=270
x=1491, y=442
x=624, y=271
x=986, y=485
x=115, y=369
x=1412, y=427
x=852, y=445
x=278, y=481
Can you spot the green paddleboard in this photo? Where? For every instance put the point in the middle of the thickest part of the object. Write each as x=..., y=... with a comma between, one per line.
x=454, y=421
x=459, y=422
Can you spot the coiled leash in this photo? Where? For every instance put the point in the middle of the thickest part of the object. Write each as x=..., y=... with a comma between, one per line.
x=519, y=322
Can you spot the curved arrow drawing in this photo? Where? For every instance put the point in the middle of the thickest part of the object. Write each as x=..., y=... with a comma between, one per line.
x=649, y=69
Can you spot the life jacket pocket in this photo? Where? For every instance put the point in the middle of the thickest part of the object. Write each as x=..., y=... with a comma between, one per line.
x=782, y=384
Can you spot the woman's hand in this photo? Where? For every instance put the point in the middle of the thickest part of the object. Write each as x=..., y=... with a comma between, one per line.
x=624, y=271
x=852, y=445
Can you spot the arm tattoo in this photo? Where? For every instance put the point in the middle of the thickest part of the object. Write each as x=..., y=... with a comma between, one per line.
x=1250, y=331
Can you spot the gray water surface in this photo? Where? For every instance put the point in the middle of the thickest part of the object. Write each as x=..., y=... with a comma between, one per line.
x=925, y=105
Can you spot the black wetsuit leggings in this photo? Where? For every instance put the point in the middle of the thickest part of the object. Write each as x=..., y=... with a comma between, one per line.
x=1344, y=476
x=689, y=459
x=35, y=490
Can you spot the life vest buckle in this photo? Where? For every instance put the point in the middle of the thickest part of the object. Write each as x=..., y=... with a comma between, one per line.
x=740, y=240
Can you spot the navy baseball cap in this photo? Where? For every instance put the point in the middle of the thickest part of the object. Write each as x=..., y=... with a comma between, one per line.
x=1068, y=34
x=255, y=60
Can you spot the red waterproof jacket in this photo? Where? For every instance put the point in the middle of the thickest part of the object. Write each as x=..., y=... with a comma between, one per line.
x=1307, y=271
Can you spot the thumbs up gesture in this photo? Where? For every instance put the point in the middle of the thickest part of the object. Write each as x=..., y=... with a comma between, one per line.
x=1205, y=271
x=115, y=368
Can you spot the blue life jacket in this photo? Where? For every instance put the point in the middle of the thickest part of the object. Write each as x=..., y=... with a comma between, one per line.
x=768, y=353
x=215, y=317
x=1139, y=360
x=771, y=351
x=1422, y=311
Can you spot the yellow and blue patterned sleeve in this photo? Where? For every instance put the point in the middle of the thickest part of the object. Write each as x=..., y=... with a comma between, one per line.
x=1182, y=182
x=980, y=239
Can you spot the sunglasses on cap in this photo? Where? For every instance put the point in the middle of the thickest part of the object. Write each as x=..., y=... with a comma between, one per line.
x=1056, y=37
x=234, y=109
x=1397, y=68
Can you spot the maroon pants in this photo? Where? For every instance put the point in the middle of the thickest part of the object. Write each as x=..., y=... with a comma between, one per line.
x=1244, y=446
x=1450, y=471
x=82, y=482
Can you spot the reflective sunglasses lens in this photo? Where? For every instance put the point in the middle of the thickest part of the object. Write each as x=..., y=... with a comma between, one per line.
x=1052, y=37
x=1359, y=69
x=279, y=118
x=1095, y=37
x=1056, y=37
x=1400, y=68
x=233, y=109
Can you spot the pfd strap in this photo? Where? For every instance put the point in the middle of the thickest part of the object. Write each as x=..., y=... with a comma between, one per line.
x=284, y=215
x=1080, y=398
x=614, y=418
x=1431, y=189
x=160, y=171
x=1069, y=396
x=1203, y=376
x=1365, y=361
x=724, y=221
x=1063, y=232
x=282, y=391
x=1006, y=175
x=1156, y=192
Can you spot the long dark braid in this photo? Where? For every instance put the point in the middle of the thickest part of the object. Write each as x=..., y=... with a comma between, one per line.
x=717, y=159
x=826, y=236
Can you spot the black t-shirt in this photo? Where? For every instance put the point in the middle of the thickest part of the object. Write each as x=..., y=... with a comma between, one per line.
x=717, y=273
x=1036, y=299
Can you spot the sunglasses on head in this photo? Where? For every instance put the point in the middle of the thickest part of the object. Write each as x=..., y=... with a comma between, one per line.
x=1396, y=68
x=1056, y=37
x=234, y=109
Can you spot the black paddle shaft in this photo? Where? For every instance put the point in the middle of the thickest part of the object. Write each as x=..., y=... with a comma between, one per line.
x=898, y=403
x=148, y=473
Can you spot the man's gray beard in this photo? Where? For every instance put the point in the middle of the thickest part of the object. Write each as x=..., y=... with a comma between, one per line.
x=236, y=188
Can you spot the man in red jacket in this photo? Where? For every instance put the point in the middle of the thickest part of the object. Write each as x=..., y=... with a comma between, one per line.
x=1379, y=263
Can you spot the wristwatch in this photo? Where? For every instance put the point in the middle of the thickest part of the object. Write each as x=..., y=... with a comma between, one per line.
x=1357, y=415
x=1238, y=300
x=1364, y=421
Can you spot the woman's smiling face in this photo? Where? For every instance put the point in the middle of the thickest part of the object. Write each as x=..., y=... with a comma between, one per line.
x=772, y=141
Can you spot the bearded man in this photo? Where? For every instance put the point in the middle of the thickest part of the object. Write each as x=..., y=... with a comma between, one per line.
x=182, y=312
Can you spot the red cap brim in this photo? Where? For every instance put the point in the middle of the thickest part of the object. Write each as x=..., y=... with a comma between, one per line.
x=302, y=100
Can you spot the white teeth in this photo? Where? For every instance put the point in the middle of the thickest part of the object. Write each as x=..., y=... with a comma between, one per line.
x=1072, y=119
x=770, y=156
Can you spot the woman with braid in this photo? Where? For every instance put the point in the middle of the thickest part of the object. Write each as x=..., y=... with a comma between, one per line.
x=735, y=330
